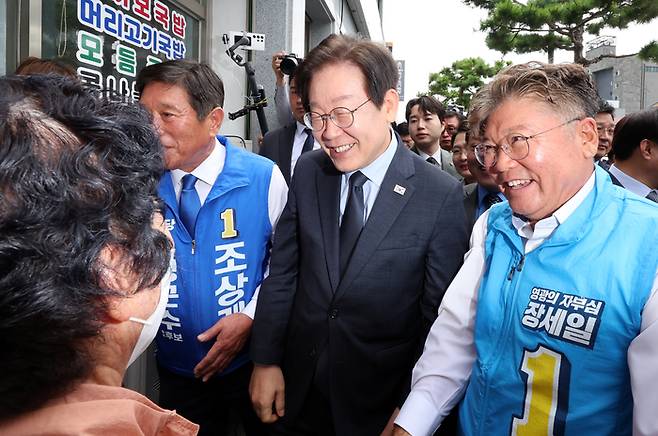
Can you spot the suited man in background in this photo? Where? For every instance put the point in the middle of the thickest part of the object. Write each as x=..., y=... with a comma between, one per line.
x=369, y=240
x=285, y=144
x=635, y=146
x=425, y=117
x=485, y=192
x=605, y=126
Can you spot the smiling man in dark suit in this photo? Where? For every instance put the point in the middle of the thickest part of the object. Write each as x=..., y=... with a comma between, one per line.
x=286, y=144
x=369, y=240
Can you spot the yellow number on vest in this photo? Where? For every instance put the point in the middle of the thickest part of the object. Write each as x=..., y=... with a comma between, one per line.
x=229, y=224
x=544, y=369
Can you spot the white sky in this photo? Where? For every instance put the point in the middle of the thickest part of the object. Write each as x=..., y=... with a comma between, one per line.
x=431, y=34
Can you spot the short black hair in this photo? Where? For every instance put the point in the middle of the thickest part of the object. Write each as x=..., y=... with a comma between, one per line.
x=77, y=175
x=606, y=108
x=402, y=128
x=427, y=104
x=379, y=70
x=463, y=128
x=632, y=129
x=204, y=87
x=453, y=113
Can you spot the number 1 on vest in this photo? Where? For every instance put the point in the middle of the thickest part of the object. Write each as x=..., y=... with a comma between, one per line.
x=229, y=224
x=545, y=406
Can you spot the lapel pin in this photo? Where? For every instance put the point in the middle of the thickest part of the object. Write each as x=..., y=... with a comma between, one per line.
x=399, y=189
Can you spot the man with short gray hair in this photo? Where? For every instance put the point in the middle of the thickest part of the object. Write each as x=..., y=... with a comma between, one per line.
x=222, y=204
x=530, y=336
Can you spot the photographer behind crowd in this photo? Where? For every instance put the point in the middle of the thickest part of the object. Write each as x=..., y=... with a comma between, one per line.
x=84, y=258
x=283, y=64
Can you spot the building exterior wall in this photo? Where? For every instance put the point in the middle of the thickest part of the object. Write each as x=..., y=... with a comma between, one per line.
x=634, y=83
x=650, y=85
x=225, y=16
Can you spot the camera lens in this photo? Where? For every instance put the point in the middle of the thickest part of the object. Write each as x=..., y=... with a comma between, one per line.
x=289, y=65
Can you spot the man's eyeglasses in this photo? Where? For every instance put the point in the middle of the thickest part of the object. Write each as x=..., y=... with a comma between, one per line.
x=602, y=129
x=515, y=145
x=341, y=116
x=451, y=130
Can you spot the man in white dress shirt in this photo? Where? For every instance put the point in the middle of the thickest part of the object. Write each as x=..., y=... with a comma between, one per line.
x=550, y=325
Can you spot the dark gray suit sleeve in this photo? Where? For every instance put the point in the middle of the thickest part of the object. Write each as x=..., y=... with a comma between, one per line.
x=445, y=255
x=268, y=149
x=277, y=292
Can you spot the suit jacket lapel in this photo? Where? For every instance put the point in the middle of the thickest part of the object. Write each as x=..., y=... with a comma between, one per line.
x=387, y=207
x=285, y=149
x=328, y=186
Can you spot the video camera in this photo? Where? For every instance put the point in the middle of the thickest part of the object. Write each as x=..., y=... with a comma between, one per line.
x=289, y=64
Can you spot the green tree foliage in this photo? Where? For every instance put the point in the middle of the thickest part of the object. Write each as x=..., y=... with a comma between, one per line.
x=546, y=25
x=457, y=83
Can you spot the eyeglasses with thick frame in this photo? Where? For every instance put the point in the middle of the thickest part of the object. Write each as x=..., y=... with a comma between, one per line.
x=515, y=145
x=341, y=117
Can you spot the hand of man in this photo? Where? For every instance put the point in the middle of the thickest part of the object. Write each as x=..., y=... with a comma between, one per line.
x=267, y=390
x=276, y=66
x=399, y=431
x=388, y=430
x=230, y=334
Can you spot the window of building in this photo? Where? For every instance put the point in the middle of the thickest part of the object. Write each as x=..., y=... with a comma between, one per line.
x=604, y=83
x=109, y=41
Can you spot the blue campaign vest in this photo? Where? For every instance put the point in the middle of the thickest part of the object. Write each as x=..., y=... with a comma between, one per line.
x=553, y=327
x=215, y=274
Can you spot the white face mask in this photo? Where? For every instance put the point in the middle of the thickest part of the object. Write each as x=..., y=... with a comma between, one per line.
x=152, y=324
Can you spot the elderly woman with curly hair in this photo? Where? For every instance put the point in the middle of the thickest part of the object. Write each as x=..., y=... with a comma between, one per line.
x=84, y=260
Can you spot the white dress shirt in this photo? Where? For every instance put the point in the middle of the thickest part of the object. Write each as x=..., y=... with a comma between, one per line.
x=628, y=182
x=207, y=173
x=436, y=156
x=375, y=173
x=441, y=374
x=298, y=145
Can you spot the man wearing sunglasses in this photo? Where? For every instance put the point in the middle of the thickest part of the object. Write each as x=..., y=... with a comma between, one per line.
x=550, y=325
x=368, y=242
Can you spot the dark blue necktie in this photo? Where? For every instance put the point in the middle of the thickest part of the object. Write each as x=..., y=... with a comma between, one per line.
x=189, y=204
x=432, y=161
x=308, y=143
x=352, y=223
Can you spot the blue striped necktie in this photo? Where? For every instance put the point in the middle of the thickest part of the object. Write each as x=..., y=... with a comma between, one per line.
x=189, y=204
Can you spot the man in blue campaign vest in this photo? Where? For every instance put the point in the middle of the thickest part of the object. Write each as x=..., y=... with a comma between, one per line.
x=222, y=204
x=550, y=326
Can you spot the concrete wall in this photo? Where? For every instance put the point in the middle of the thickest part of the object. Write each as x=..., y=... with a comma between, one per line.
x=633, y=89
x=225, y=16
x=650, y=85
x=277, y=25
x=3, y=37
